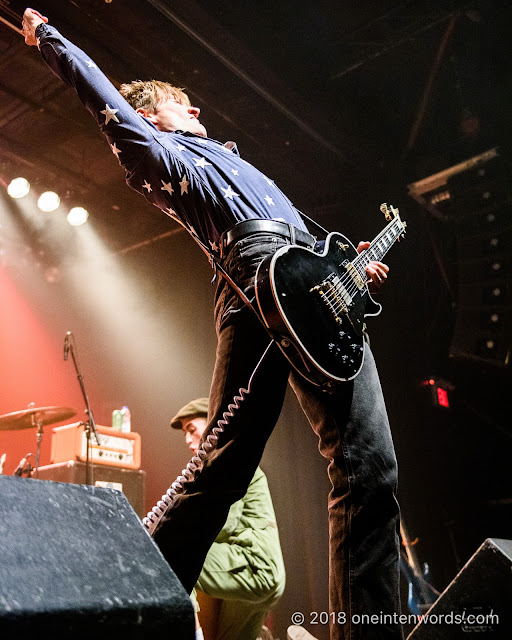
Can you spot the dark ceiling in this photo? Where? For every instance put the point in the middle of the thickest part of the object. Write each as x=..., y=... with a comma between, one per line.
x=325, y=97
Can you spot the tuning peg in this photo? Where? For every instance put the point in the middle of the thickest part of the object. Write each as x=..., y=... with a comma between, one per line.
x=385, y=210
x=402, y=234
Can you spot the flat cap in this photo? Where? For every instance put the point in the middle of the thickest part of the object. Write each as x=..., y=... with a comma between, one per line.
x=193, y=409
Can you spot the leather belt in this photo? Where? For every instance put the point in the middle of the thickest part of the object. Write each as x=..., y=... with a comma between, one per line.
x=283, y=229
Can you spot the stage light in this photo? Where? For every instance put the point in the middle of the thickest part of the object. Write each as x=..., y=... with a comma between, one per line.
x=77, y=216
x=18, y=188
x=48, y=201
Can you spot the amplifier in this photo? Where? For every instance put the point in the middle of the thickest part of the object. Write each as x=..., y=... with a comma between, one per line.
x=116, y=448
x=130, y=481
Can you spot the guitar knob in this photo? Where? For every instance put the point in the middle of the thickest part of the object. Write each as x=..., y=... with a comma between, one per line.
x=285, y=342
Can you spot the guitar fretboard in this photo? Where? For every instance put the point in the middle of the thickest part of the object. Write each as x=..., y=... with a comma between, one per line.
x=379, y=246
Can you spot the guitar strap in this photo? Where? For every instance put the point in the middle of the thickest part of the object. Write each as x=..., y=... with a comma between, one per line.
x=314, y=222
x=291, y=229
x=218, y=268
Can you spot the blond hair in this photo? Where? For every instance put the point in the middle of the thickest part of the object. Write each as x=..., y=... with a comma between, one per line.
x=148, y=94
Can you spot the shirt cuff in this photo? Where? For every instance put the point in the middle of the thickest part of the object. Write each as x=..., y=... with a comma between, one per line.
x=39, y=32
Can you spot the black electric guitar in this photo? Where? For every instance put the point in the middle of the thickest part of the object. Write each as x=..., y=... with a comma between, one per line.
x=315, y=304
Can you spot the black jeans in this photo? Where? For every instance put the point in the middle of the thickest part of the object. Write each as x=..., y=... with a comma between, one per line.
x=354, y=435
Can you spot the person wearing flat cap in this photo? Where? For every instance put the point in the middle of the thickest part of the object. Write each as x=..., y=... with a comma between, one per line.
x=244, y=568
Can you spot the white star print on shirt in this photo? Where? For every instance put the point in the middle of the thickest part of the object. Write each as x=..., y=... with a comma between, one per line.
x=166, y=187
x=184, y=184
x=171, y=212
x=147, y=186
x=202, y=163
x=180, y=147
x=234, y=172
x=269, y=200
x=229, y=193
x=110, y=114
x=90, y=64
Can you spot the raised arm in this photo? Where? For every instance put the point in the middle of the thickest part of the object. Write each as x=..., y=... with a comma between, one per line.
x=120, y=124
x=31, y=19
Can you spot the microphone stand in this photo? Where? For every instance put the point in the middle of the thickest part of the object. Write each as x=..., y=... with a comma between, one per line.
x=89, y=425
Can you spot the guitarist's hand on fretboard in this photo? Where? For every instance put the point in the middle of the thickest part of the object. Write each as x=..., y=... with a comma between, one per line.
x=377, y=271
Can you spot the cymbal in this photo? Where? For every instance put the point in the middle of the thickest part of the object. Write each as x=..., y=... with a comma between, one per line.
x=34, y=417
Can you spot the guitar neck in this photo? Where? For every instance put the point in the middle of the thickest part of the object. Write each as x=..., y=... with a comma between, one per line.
x=380, y=245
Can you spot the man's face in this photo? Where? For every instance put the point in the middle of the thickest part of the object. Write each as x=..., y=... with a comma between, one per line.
x=193, y=430
x=174, y=116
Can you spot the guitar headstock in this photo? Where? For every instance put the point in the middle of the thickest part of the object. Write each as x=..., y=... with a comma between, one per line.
x=391, y=212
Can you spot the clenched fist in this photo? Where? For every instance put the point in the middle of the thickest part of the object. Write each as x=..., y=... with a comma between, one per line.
x=31, y=18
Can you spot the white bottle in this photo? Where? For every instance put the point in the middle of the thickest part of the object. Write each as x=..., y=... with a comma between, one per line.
x=126, y=420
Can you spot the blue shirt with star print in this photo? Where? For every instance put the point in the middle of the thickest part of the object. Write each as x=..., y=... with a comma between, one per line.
x=201, y=183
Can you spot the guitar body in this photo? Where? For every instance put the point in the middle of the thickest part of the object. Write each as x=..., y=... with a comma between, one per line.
x=314, y=305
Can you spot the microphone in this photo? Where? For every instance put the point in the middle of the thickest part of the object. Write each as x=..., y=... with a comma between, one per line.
x=66, y=345
x=19, y=468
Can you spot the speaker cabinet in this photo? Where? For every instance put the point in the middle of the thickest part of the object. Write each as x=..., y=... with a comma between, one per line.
x=130, y=481
x=478, y=602
x=76, y=562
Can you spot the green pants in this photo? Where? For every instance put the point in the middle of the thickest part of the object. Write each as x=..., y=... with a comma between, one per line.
x=244, y=567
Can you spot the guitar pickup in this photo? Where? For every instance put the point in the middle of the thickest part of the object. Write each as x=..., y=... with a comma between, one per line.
x=356, y=276
x=334, y=295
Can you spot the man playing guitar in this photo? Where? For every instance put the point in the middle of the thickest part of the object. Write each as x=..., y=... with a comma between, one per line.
x=239, y=217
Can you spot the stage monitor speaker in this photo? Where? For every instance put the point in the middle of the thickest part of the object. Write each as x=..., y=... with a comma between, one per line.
x=76, y=562
x=131, y=482
x=478, y=602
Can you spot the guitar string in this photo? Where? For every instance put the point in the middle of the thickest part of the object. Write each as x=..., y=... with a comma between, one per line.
x=370, y=254
x=360, y=263
x=347, y=282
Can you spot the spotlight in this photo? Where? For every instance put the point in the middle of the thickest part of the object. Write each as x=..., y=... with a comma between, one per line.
x=18, y=188
x=77, y=216
x=48, y=201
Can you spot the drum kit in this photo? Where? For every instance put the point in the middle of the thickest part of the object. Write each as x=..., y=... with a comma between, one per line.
x=33, y=417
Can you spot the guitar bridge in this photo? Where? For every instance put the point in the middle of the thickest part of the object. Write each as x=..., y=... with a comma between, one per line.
x=334, y=295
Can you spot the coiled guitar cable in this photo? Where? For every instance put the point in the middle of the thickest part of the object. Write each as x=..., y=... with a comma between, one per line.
x=195, y=465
